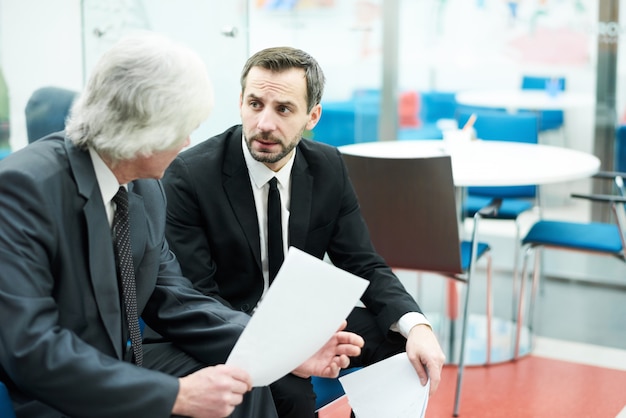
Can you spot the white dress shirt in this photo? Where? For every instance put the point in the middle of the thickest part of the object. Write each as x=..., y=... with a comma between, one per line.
x=107, y=182
x=260, y=175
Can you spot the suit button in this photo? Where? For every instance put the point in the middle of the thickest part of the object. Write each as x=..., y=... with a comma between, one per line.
x=245, y=307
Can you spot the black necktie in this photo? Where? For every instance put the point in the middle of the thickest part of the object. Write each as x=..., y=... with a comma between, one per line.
x=126, y=270
x=275, y=253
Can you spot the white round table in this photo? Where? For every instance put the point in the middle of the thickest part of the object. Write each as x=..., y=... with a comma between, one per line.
x=491, y=163
x=513, y=100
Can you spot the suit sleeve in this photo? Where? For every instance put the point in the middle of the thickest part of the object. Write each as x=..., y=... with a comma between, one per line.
x=185, y=230
x=200, y=325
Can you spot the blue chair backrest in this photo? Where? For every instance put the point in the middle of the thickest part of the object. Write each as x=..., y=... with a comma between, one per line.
x=502, y=126
x=348, y=122
x=550, y=119
x=542, y=83
x=435, y=105
x=6, y=407
x=46, y=111
x=366, y=94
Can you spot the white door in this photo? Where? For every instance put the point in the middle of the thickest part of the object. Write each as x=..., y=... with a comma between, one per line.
x=214, y=28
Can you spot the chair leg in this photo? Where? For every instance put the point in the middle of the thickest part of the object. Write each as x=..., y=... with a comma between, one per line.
x=517, y=248
x=489, y=308
x=459, y=379
x=537, y=270
x=520, y=304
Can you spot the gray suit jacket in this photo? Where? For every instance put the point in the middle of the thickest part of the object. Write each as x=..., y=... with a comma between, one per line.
x=63, y=335
x=213, y=229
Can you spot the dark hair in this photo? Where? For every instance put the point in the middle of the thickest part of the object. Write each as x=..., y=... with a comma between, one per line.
x=284, y=58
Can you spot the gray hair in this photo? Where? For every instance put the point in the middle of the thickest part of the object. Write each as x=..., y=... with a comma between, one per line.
x=279, y=59
x=146, y=94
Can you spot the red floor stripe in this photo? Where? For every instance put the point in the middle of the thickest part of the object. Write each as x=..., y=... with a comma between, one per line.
x=532, y=387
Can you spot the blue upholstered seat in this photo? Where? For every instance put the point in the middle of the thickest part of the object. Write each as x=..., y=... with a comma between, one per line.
x=6, y=407
x=327, y=390
x=466, y=253
x=593, y=236
x=509, y=210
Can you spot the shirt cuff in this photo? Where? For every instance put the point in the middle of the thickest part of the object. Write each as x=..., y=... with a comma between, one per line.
x=408, y=321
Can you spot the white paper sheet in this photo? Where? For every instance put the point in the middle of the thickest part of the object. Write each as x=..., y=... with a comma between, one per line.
x=305, y=305
x=389, y=388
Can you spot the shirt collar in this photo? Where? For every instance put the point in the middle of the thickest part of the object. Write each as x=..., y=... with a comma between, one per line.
x=260, y=174
x=104, y=176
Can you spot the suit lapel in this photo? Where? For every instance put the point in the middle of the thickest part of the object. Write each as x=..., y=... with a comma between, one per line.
x=100, y=252
x=301, y=200
x=239, y=192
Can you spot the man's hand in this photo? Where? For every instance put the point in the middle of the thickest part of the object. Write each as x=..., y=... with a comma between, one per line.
x=426, y=355
x=333, y=356
x=212, y=392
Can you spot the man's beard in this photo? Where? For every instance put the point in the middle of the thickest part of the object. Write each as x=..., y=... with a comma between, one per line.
x=266, y=157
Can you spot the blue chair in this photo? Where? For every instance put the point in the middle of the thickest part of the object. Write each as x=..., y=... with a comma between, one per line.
x=435, y=106
x=503, y=126
x=6, y=406
x=597, y=238
x=327, y=390
x=548, y=119
x=4, y=153
x=46, y=111
x=348, y=122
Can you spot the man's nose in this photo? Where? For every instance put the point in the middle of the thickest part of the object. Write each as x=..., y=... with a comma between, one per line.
x=266, y=121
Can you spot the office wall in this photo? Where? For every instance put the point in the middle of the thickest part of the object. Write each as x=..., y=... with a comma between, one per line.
x=447, y=45
x=40, y=45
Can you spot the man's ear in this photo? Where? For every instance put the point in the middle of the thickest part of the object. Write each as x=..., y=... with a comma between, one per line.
x=314, y=116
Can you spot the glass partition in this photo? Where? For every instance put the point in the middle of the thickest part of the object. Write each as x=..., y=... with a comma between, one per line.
x=444, y=46
x=345, y=38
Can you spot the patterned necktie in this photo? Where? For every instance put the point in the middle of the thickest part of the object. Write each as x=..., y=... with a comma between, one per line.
x=126, y=270
x=275, y=252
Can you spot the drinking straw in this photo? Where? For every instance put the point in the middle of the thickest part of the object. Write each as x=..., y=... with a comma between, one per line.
x=470, y=122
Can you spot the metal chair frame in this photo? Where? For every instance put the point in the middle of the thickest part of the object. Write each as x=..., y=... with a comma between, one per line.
x=411, y=211
x=532, y=245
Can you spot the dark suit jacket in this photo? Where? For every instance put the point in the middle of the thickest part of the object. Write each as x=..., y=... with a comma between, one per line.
x=62, y=337
x=213, y=229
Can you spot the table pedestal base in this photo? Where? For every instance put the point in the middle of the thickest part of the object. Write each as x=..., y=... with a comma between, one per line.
x=502, y=339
